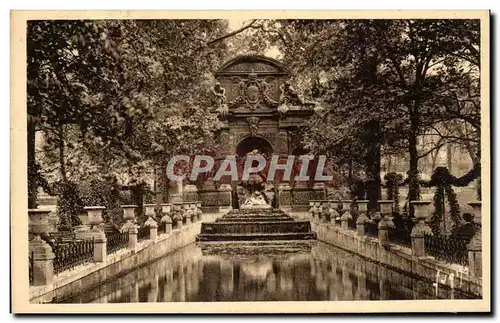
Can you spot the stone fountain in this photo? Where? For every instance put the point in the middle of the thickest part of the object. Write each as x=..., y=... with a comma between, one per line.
x=256, y=220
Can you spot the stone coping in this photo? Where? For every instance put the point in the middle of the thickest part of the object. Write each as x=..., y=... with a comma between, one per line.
x=78, y=272
x=94, y=207
x=430, y=263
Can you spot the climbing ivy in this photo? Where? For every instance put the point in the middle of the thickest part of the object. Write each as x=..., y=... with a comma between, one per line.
x=442, y=180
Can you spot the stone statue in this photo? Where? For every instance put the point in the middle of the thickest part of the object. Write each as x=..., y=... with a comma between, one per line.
x=256, y=201
x=220, y=94
x=289, y=95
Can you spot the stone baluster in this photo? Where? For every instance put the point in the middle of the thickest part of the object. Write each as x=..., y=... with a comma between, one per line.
x=385, y=221
x=346, y=215
x=153, y=228
x=225, y=198
x=177, y=218
x=475, y=245
x=165, y=210
x=199, y=211
x=129, y=226
x=421, y=228
x=43, y=256
x=151, y=221
x=362, y=217
x=94, y=214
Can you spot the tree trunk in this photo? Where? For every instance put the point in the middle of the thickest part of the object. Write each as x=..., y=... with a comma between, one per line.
x=32, y=171
x=62, y=162
x=372, y=160
x=137, y=194
x=413, y=189
x=449, y=158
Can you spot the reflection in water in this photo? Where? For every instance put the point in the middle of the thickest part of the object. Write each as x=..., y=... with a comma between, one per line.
x=305, y=271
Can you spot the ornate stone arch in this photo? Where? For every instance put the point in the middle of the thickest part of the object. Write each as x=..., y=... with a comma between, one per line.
x=247, y=143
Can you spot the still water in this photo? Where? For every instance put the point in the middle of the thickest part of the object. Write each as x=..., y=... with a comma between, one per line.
x=305, y=271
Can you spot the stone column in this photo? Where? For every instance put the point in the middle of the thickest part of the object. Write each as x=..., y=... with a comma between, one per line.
x=129, y=226
x=334, y=213
x=153, y=228
x=186, y=212
x=285, y=196
x=190, y=193
x=362, y=217
x=346, y=215
x=421, y=228
x=225, y=198
x=177, y=216
x=385, y=222
x=168, y=224
x=97, y=232
x=475, y=245
x=166, y=218
x=43, y=257
x=317, y=211
x=319, y=190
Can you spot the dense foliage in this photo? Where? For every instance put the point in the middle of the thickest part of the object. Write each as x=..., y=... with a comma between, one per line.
x=113, y=99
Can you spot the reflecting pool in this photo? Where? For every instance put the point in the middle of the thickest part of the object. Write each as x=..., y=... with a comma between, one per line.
x=302, y=271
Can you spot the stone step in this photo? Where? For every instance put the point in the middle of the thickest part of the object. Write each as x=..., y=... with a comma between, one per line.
x=268, y=227
x=254, y=219
x=256, y=236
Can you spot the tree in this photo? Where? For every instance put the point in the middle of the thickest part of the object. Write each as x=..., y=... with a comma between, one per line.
x=391, y=74
x=116, y=96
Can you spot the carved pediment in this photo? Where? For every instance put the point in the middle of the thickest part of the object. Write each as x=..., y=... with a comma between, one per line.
x=261, y=65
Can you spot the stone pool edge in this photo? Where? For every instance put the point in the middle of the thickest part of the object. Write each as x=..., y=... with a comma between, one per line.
x=399, y=258
x=93, y=274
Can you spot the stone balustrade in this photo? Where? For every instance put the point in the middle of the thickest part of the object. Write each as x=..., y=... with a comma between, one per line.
x=42, y=255
x=319, y=210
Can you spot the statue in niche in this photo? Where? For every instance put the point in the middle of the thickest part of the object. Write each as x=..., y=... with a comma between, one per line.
x=220, y=94
x=253, y=192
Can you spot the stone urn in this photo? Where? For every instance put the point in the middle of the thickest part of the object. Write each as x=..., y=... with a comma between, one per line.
x=346, y=209
x=386, y=207
x=38, y=221
x=150, y=211
x=166, y=208
x=129, y=215
x=94, y=214
x=422, y=212
x=362, y=212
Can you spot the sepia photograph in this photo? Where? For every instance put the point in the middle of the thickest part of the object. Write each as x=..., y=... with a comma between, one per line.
x=250, y=162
